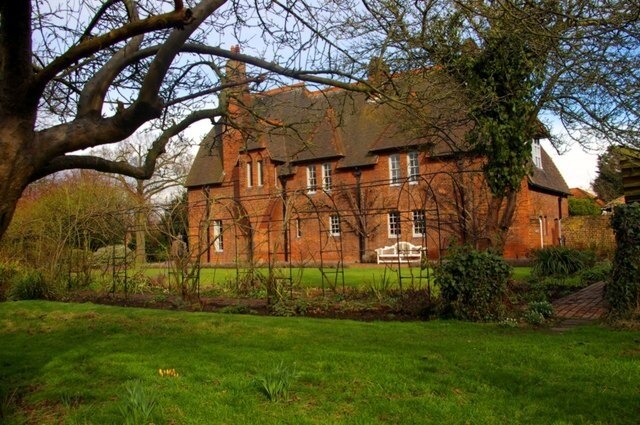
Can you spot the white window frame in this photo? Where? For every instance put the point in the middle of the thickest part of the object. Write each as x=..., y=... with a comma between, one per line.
x=260, y=172
x=218, y=239
x=334, y=225
x=394, y=224
x=536, y=153
x=312, y=179
x=419, y=223
x=413, y=167
x=249, y=174
x=394, y=170
x=326, y=177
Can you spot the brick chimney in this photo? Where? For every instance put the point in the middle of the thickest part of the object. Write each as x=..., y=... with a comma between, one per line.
x=236, y=72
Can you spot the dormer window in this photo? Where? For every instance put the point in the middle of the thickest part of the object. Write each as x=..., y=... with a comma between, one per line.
x=536, y=154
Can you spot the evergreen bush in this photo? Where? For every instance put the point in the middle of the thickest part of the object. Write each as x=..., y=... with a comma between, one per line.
x=583, y=206
x=561, y=261
x=623, y=291
x=30, y=285
x=473, y=284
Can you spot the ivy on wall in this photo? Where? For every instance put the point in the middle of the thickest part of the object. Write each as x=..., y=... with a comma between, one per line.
x=623, y=292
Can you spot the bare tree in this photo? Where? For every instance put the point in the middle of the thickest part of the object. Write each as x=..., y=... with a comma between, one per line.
x=81, y=74
x=511, y=63
x=171, y=169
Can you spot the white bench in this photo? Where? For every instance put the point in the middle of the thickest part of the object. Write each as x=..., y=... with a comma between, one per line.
x=400, y=251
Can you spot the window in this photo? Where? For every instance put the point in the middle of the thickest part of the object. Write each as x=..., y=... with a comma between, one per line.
x=298, y=228
x=218, y=245
x=334, y=225
x=249, y=174
x=394, y=224
x=312, y=181
x=419, y=223
x=260, y=173
x=394, y=169
x=413, y=167
x=326, y=176
x=536, y=154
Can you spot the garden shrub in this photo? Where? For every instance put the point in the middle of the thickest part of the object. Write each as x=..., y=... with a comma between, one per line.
x=543, y=307
x=534, y=317
x=7, y=272
x=30, y=285
x=561, y=261
x=623, y=291
x=597, y=273
x=551, y=287
x=276, y=384
x=583, y=206
x=473, y=284
x=138, y=405
x=108, y=255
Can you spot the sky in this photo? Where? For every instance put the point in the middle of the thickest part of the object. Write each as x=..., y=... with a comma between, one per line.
x=578, y=167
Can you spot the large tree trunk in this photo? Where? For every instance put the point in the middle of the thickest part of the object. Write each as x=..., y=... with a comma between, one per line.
x=141, y=223
x=500, y=218
x=16, y=166
x=141, y=241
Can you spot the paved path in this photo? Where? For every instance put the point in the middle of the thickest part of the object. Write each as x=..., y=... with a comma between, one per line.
x=587, y=303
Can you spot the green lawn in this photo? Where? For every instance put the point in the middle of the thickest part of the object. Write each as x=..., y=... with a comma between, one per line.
x=354, y=276
x=71, y=364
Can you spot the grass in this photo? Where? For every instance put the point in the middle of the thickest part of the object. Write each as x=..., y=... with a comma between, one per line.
x=354, y=276
x=64, y=363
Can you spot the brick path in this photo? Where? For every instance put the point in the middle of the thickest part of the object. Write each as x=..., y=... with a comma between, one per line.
x=587, y=303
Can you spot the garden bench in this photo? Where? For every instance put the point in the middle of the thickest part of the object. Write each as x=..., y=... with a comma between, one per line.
x=400, y=251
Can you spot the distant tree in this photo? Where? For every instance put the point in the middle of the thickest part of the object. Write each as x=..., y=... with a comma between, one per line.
x=167, y=223
x=608, y=182
x=171, y=170
x=64, y=215
x=583, y=206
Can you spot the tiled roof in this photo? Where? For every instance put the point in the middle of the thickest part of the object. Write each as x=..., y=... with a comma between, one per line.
x=296, y=126
x=549, y=177
x=207, y=165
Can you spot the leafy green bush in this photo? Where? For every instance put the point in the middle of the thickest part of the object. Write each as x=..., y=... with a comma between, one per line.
x=113, y=254
x=597, y=273
x=543, y=307
x=623, y=291
x=7, y=272
x=237, y=309
x=473, y=284
x=561, y=261
x=583, y=206
x=534, y=317
x=549, y=288
x=138, y=406
x=277, y=383
x=30, y=285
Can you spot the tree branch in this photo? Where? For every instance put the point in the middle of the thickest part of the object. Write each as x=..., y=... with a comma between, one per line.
x=67, y=162
x=88, y=47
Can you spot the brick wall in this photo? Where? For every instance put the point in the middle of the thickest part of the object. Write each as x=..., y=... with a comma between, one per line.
x=253, y=216
x=589, y=232
x=536, y=222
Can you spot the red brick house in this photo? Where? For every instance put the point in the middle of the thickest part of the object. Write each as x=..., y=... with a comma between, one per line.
x=327, y=175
